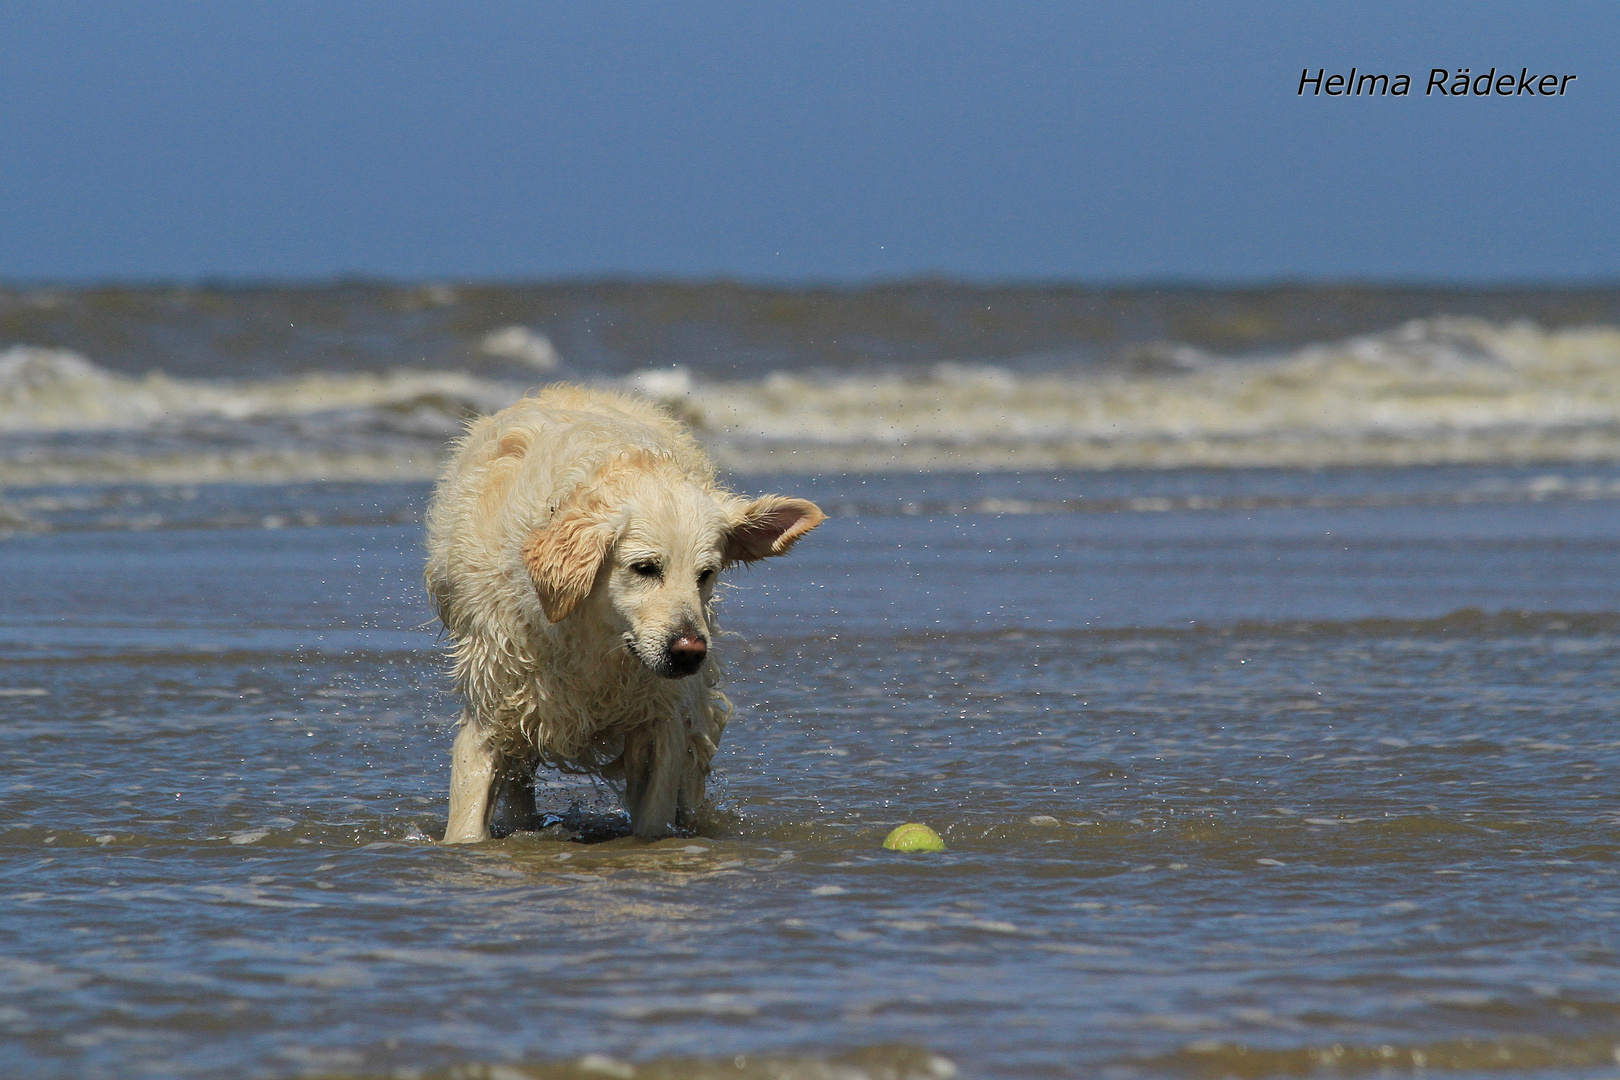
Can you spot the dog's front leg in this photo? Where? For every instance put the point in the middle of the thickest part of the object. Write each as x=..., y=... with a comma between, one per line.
x=475, y=774
x=654, y=761
x=705, y=715
x=514, y=790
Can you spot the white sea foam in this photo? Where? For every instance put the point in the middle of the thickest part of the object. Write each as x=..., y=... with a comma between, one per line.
x=1441, y=390
x=1433, y=391
x=59, y=390
x=522, y=344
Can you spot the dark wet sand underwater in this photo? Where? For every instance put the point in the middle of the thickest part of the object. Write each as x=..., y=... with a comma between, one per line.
x=1242, y=774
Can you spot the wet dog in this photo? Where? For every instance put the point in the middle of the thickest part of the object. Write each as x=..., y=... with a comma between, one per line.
x=574, y=543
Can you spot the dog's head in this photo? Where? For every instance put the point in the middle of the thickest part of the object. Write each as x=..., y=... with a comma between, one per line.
x=646, y=552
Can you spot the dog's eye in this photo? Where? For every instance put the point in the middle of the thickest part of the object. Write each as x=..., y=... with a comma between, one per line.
x=705, y=577
x=646, y=569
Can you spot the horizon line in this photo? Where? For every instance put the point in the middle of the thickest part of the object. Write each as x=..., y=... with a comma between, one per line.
x=230, y=282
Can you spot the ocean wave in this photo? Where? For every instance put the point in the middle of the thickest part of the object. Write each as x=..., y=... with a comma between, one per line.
x=1540, y=488
x=1511, y=1054
x=58, y=390
x=1462, y=624
x=1441, y=390
x=881, y=1062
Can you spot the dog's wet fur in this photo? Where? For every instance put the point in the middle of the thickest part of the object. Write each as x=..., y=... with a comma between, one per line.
x=575, y=541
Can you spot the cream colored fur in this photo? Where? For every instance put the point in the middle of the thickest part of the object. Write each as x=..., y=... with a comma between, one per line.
x=541, y=533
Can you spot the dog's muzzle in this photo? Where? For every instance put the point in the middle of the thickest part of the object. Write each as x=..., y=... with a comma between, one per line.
x=684, y=655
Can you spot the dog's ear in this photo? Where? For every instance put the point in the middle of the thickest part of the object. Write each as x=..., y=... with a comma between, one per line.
x=769, y=526
x=564, y=559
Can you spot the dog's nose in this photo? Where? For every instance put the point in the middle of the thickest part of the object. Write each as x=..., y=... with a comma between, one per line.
x=686, y=653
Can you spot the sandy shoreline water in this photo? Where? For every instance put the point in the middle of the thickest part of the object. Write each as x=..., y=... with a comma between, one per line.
x=1239, y=772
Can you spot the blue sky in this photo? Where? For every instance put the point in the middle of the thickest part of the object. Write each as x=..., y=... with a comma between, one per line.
x=799, y=142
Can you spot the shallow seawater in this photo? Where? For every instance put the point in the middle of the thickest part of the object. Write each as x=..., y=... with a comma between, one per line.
x=1241, y=774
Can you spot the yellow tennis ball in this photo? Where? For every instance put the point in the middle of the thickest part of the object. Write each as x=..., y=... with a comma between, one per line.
x=914, y=837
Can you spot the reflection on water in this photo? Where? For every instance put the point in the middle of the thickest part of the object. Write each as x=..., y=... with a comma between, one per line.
x=1240, y=775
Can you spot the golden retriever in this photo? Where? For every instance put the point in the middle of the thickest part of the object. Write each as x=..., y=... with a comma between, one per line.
x=574, y=543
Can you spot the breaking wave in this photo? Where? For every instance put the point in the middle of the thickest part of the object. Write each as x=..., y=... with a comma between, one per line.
x=58, y=390
x=1525, y=1054
x=1434, y=391
x=883, y=1062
